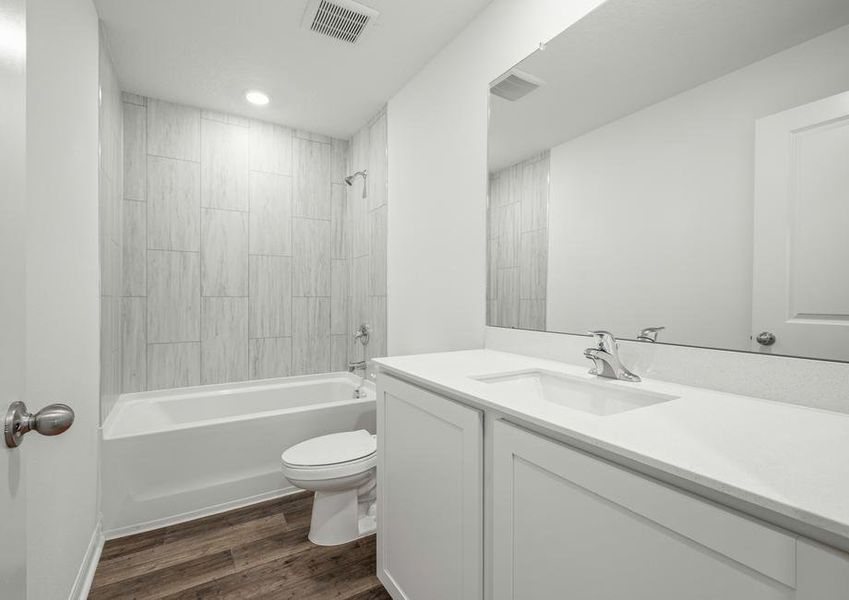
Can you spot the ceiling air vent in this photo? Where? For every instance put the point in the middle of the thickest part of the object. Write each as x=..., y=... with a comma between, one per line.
x=340, y=19
x=515, y=84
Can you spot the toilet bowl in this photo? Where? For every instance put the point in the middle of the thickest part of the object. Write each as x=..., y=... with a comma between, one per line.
x=340, y=469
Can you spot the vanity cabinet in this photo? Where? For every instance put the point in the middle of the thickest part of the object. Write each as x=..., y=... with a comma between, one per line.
x=430, y=498
x=569, y=525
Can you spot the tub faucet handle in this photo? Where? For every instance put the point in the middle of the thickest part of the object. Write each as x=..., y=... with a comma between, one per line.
x=362, y=333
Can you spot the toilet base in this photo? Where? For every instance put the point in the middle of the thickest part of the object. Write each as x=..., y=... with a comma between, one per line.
x=340, y=517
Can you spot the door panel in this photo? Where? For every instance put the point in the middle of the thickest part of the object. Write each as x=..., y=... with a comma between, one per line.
x=430, y=498
x=12, y=304
x=801, y=293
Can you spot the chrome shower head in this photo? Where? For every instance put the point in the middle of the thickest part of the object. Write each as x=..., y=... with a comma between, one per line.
x=364, y=174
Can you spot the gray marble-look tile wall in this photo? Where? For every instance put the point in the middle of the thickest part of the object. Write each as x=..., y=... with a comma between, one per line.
x=237, y=252
x=517, y=245
x=363, y=244
x=111, y=230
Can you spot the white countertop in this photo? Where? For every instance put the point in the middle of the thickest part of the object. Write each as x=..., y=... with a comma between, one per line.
x=790, y=461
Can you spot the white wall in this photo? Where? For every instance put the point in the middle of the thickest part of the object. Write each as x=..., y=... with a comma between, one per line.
x=655, y=210
x=62, y=287
x=438, y=175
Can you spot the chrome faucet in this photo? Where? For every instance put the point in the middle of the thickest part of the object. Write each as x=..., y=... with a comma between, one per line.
x=649, y=334
x=606, y=358
x=354, y=366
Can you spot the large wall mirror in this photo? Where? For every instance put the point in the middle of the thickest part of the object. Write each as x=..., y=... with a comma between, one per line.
x=678, y=164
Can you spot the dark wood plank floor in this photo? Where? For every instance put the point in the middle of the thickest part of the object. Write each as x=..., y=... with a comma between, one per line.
x=260, y=551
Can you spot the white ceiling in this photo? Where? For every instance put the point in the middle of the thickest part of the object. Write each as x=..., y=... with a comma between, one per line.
x=207, y=53
x=629, y=54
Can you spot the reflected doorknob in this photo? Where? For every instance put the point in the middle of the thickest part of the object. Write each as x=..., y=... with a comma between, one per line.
x=50, y=420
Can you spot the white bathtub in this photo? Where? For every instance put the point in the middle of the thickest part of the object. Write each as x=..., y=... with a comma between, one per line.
x=173, y=455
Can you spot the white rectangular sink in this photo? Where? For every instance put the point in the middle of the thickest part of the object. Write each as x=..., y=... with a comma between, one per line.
x=594, y=396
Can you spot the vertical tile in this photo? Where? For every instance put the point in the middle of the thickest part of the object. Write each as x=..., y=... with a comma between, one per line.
x=135, y=248
x=377, y=252
x=338, y=218
x=173, y=130
x=339, y=161
x=173, y=365
x=534, y=194
x=339, y=353
x=314, y=137
x=507, y=297
x=129, y=98
x=173, y=291
x=133, y=345
x=271, y=214
x=224, y=340
x=270, y=357
x=310, y=335
x=270, y=148
x=173, y=213
x=224, y=253
x=225, y=118
x=339, y=297
x=135, y=152
x=533, y=265
x=311, y=258
x=358, y=309
x=224, y=165
x=360, y=221
x=311, y=197
x=508, y=217
x=377, y=320
x=270, y=296
x=377, y=163
x=532, y=314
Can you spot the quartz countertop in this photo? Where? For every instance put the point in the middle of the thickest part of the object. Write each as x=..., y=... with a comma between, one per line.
x=783, y=463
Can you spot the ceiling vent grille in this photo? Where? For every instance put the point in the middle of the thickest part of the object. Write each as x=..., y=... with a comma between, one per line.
x=340, y=19
x=515, y=84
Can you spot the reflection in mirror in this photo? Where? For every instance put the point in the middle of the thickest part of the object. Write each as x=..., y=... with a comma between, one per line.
x=676, y=171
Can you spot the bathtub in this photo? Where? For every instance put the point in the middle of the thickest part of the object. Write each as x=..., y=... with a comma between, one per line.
x=173, y=455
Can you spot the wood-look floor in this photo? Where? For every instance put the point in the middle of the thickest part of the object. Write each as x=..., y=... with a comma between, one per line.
x=260, y=551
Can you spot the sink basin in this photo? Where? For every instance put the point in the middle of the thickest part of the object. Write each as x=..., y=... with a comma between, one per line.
x=595, y=396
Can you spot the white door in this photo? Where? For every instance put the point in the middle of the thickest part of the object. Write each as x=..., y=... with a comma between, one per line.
x=13, y=567
x=430, y=495
x=801, y=241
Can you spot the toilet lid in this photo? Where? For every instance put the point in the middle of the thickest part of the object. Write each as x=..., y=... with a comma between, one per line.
x=332, y=449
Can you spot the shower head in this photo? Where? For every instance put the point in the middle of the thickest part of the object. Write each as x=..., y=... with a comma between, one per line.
x=364, y=174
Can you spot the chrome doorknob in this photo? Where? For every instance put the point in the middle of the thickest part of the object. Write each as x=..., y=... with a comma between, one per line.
x=50, y=420
x=765, y=338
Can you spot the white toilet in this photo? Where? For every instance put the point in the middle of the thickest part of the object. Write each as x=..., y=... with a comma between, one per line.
x=340, y=468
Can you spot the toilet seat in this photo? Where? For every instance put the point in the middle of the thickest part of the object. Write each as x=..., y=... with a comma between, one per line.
x=331, y=456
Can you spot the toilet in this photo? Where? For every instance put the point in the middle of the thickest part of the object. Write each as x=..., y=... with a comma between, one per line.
x=340, y=468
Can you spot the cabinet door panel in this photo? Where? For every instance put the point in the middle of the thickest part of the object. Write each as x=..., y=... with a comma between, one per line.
x=429, y=494
x=568, y=525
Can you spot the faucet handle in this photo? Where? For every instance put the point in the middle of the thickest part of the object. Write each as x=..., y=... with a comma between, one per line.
x=649, y=334
x=603, y=340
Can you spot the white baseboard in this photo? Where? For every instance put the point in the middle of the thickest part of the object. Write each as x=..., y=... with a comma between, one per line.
x=197, y=514
x=82, y=583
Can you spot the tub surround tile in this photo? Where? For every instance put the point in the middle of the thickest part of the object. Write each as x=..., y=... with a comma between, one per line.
x=532, y=314
x=507, y=297
x=173, y=292
x=224, y=340
x=339, y=161
x=311, y=335
x=135, y=151
x=311, y=258
x=312, y=172
x=224, y=253
x=338, y=217
x=338, y=353
x=135, y=248
x=533, y=261
x=173, y=130
x=225, y=118
x=270, y=214
x=130, y=98
x=173, y=214
x=224, y=165
x=270, y=357
x=377, y=163
x=270, y=148
x=270, y=296
x=377, y=262
x=339, y=297
x=133, y=345
x=377, y=320
x=173, y=365
x=312, y=136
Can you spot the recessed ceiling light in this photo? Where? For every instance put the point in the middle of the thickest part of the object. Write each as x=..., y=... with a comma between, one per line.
x=257, y=97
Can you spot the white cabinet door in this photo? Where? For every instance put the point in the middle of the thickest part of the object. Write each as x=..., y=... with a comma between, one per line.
x=567, y=525
x=801, y=292
x=430, y=501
